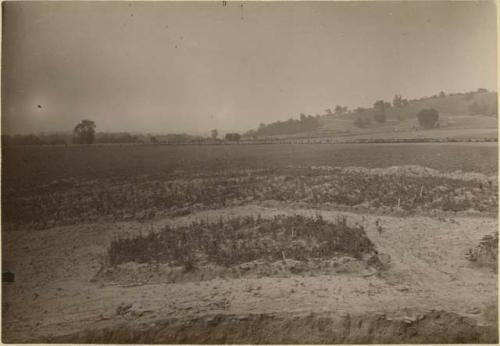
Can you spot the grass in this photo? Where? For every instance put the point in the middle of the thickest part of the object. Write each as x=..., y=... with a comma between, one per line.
x=243, y=239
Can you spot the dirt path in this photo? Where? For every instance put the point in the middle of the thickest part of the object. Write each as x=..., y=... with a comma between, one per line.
x=54, y=293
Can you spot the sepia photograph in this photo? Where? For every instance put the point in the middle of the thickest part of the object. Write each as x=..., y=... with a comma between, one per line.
x=249, y=172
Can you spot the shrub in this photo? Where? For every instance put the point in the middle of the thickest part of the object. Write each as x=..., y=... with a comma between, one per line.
x=427, y=118
x=486, y=253
x=476, y=108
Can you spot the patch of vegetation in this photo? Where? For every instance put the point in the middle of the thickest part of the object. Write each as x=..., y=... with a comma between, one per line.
x=478, y=108
x=84, y=132
x=486, y=253
x=233, y=137
x=72, y=201
x=380, y=107
x=243, y=239
x=291, y=126
x=362, y=122
x=427, y=118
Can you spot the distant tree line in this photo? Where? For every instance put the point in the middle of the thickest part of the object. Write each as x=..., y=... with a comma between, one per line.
x=31, y=139
x=291, y=126
x=113, y=137
x=362, y=117
x=85, y=131
x=232, y=137
x=63, y=138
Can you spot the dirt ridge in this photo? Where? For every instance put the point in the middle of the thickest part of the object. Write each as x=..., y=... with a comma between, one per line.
x=434, y=326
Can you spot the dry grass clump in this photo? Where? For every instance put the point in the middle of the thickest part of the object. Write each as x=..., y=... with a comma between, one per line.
x=243, y=239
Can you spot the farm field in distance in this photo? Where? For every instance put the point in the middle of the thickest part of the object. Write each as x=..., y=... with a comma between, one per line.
x=43, y=164
x=328, y=243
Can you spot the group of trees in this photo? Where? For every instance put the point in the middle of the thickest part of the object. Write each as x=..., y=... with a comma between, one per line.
x=177, y=138
x=427, y=118
x=233, y=137
x=120, y=137
x=476, y=108
x=338, y=110
x=399, y=101
x=291, y=126
x=85, y=131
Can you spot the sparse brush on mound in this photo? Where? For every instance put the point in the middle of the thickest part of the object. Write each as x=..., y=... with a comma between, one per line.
x=486, y=253
x=243, y=239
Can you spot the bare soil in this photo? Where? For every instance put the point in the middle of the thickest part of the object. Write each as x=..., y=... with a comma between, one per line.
x=429, y=293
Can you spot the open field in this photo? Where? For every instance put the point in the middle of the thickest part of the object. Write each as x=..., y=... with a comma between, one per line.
x=32, y=166
x=323, y=243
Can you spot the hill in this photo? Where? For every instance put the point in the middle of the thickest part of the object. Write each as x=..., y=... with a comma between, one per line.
x=471, y=114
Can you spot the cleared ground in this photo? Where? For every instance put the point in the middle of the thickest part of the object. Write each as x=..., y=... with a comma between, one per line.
x=67, y=291
x=54, y=293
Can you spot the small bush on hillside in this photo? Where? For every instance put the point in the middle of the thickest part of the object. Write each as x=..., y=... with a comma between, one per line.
x=362, y=122
x=486, y=253
x=480, y=109
x=427, y=118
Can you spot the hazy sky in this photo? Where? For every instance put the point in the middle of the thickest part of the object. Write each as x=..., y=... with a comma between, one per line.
x=175, y=67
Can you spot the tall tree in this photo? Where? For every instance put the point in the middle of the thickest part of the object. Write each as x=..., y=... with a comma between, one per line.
x=84, y=132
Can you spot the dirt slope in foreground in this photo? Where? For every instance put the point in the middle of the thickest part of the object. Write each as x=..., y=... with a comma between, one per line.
x=430, y=289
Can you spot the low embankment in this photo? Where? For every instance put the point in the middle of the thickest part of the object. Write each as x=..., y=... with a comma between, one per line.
x=433, y=327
